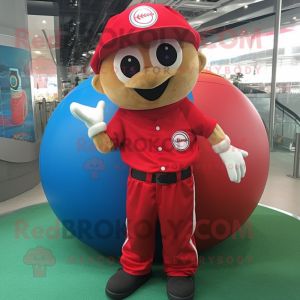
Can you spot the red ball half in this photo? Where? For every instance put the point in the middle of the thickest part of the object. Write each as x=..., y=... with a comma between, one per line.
x=223, y=206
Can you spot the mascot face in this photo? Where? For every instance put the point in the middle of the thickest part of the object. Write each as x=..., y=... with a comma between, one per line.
x=150, y=75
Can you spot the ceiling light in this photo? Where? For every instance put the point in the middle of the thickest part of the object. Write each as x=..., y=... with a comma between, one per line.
x=246, y=6
x=38, y=52
x=84, y=54
x=91, y=51
x=36, y=35
x=215, y=10
x=44, y=22
x=295, y=18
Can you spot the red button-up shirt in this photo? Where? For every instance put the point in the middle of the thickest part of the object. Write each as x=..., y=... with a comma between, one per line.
x=162, y=139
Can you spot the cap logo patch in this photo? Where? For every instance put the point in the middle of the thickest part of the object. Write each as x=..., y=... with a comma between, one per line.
x=143, y=16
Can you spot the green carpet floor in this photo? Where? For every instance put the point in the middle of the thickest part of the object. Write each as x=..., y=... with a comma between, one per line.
x=273, y=272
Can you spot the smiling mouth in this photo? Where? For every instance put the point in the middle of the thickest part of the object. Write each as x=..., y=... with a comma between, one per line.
x=153, y=94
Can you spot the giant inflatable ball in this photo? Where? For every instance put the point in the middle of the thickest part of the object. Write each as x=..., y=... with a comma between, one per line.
x=87, y=189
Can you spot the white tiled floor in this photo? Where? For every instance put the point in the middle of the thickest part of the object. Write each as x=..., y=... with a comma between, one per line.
x=31, y=197
x=281, y=191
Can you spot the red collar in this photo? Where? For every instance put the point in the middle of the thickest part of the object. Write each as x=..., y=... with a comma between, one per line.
x=156, y=113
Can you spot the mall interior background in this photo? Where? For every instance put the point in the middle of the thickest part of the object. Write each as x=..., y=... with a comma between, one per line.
x=237, y=38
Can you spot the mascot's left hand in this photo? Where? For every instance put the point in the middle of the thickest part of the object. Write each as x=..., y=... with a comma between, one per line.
x=233, y=158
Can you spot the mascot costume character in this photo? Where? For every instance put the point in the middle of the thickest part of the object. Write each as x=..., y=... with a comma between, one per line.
x=147, y=62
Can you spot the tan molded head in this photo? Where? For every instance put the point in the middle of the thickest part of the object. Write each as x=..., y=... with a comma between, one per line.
x=150, y=75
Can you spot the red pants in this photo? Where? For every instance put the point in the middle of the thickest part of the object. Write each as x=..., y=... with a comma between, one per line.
x=174, y=205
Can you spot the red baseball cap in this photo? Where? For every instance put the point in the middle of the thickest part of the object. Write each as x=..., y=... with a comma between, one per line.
x=142, y=23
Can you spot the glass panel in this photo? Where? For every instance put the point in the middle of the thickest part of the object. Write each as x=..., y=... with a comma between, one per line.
x=242, y=53
x=44, y=65
x=288, y=81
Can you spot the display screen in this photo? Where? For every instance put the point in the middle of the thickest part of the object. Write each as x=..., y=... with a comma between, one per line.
x=16, y=113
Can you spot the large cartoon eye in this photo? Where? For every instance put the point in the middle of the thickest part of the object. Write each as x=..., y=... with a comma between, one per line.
x=128, y=61
x=165, y=53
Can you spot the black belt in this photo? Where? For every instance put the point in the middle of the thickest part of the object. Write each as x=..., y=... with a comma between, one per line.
x=161, y=178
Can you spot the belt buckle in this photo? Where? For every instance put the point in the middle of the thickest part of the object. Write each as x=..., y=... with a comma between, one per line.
x=157, y=180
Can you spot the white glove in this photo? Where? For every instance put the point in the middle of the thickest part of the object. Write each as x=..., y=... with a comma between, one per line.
x=233, y=158
x=92, y=117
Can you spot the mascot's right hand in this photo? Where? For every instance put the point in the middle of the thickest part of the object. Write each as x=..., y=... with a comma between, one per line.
x=92, y=117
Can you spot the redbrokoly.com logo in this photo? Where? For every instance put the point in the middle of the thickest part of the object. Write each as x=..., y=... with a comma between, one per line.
x=143, y=16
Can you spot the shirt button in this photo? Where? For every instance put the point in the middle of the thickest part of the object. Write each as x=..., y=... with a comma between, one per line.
x=162, y=168
x=157, y=128
x=159, y=148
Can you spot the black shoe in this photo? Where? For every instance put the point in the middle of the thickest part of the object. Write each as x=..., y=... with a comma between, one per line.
x=180, y=287
x=122, y=284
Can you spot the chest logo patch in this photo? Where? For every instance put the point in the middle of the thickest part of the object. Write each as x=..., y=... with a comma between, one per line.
x=180, y=140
